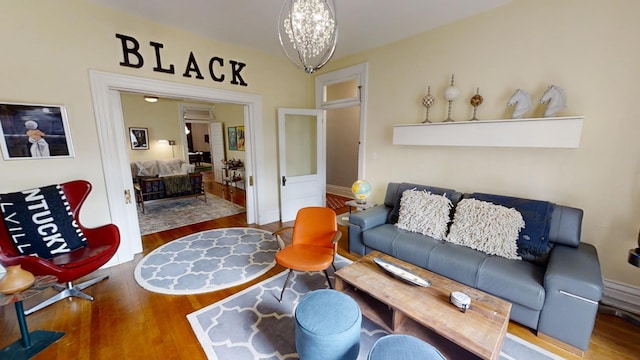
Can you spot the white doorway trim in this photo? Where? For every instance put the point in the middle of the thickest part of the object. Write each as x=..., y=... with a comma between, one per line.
x=358, y=72
x=105, y=89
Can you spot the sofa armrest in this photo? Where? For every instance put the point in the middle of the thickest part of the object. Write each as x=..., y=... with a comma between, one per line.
x=573, y=287
x=575, y=271
x=364, y=220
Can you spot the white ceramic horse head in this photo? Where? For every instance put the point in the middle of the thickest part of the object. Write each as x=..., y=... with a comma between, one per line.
x=556, y=98
x=522, y=100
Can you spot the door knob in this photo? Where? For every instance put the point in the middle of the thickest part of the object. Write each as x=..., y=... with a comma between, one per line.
x=284, y=180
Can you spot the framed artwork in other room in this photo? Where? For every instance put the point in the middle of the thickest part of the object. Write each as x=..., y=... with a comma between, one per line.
x=232, y=138
x=240, y=137
x=139, y=138
x=34, y=131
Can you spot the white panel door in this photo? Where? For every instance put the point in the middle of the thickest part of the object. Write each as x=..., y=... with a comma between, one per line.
x=301, y=145
x=217, y=150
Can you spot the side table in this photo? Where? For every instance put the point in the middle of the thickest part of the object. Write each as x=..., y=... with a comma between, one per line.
x=358, y=206
x=36, y=341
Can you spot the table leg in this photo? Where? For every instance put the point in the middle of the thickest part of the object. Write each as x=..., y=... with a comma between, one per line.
x=31, y=343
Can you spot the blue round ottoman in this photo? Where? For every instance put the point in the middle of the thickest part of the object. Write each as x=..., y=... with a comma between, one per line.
x=328, y=326
x=406, y=347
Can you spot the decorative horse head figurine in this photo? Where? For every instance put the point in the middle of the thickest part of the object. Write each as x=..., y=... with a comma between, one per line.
x=556, y=98
x=522, y=100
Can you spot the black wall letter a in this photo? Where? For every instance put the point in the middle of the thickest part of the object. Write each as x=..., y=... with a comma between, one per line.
x=126, y=51
x=192, y=65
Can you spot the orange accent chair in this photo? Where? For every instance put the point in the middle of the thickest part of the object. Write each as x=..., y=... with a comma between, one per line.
x=314, y=243
x=102, y=244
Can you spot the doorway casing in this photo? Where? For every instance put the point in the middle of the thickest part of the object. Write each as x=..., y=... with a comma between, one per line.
x=105, y=89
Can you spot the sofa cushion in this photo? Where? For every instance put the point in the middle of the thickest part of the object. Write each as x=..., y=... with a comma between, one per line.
x=533, y=240
x=457, y=262
x=170, y=167
x=516, y=281
x=424, y=213
x=451, y=194
x=486, y=227
x=147, y=168
x=408, y=246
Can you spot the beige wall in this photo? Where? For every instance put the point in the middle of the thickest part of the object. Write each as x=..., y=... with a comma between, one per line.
x=232, y=115
x=588, y=47
x=53, y=45
x=161, y=119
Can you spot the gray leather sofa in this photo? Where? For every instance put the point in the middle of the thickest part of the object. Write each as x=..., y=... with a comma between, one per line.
x=558, y=297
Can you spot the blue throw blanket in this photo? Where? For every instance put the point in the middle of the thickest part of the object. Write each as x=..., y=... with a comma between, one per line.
x=533, y=241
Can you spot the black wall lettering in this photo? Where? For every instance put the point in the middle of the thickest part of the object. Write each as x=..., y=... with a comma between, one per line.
x=158, y=68
x=213, y=75
x=236, y=67
x=126, y=51
x=192, y=65
x=133, y=58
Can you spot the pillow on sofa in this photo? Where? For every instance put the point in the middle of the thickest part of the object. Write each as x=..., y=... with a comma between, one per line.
x=147, y=168
x=533, y=240
x=451, y=194
x=424, y=213
x=483, y=226
x=40, y=222
x=170, y=167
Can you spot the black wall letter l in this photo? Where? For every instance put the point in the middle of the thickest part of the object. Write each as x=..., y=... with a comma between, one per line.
x=158, y=67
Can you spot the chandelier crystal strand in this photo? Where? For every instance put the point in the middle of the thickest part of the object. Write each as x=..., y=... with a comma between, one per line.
x=311, y=31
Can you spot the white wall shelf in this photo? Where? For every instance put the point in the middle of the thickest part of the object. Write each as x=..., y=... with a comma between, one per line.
x=557, y=132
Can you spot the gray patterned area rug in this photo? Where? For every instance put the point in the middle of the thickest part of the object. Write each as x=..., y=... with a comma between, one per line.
x=207, y=261
x=252, y=324
x=169, y=214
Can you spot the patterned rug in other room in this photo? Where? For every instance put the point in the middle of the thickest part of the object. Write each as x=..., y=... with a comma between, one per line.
x=207, y=261
x=252, y=324
x=169, y=214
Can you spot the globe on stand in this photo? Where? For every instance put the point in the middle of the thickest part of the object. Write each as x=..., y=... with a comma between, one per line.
x=451, y=94
x=476, y=100
x=361, y=190
x=428, y=101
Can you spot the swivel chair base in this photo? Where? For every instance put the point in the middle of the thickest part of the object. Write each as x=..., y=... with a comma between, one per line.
x=69, y=290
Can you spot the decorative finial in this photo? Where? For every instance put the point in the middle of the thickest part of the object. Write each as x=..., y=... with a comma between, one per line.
x=451, y=94
x=428, y=101
x=476, y=100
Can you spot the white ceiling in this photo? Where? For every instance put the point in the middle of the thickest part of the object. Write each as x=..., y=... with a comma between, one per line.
x=363, y=24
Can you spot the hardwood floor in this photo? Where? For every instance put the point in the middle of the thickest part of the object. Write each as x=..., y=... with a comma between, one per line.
x=126, y=321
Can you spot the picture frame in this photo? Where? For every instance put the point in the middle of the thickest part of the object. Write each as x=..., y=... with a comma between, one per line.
x=240, y=137
x=34, y=131
x=232, y=138
x=139, y=138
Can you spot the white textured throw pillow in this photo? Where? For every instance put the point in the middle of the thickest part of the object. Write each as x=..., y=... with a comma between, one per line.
x=424, y=213
x=490, y=228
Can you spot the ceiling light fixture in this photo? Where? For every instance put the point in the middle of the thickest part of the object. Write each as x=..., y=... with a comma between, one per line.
x=311, y=30
x=151, y=99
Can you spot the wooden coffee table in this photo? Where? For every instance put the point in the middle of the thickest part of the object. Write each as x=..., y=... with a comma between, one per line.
x=426, y=312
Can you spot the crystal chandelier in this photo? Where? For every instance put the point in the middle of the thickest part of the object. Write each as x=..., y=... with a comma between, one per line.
x=311, y=32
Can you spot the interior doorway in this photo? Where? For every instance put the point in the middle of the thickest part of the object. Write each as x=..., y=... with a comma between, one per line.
x=342, y=94
x=105, y=89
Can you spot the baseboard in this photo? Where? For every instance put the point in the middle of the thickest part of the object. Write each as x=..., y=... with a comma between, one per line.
x=621, y=296
x=339, y=190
